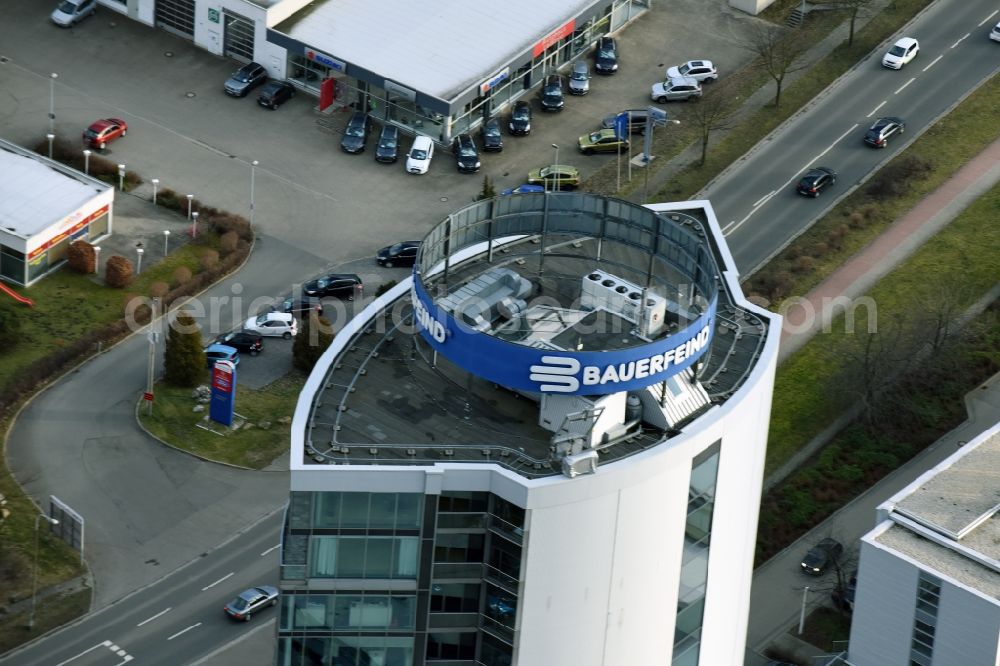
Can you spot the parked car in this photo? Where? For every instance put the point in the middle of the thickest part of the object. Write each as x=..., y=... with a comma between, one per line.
x=71, y=12
x=356, y=133
x=339, y=285
x=820, y=556
x=214, y=353
x=245, y=79
x=491, y=136
x=902, y=52
x=387, y=150
x=244, y=342
x=845, y=599
x=606, y=56
x=301, y=307
x=104, y=131
x=883, y=128
x=398, y=254
x=552, y=93
x=678, y=88
x=636, y=120
x=556, y=177
x=995, y=33
x=815, y=181
x=699, y=70
x=520, y=119
x=466, y=154
x=418, y=160
x=274, y=324
x=250, y=601
x=579, y=78
x=275, y=93
x=525, y=188
x=602, y=141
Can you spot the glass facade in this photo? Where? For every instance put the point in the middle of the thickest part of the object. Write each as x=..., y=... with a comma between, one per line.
x=925, y=620
x=399, y=579
x=694, y=563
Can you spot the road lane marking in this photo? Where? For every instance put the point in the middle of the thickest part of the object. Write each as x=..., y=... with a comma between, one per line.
x=876, y=109
x=835, y=142
x=931, y=63
x=99, y=645
x=960, y=39
x=193, y=626
x=725, y=229
x=127, y=659
x=270, y=549
x=992, y=14
x=218, y=581
x=904, y=86
x=150, y=619
x=764, y=198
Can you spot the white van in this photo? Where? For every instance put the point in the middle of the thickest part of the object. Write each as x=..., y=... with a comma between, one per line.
x=418, y=160
x=71, y=12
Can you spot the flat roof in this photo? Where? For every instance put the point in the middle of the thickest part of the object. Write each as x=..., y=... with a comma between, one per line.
x=440, y=48
x=955, y=507
x=36, y=193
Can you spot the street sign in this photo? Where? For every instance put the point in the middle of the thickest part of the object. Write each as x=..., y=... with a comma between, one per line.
x=148, y=397
x=622, y=125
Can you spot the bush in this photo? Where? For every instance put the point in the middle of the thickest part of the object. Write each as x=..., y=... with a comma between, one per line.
x=184, y=358
x=228, y=243
x=314, y=336
x=169, y=199
x=384, y=287
x=209, y=259
x=118, y=272
x=897, y=177
x=223, y=223
x=804, y=264
x=158, y=289
x=182, y=274
x=136, y=309
x=81, y=257
x=10, y=325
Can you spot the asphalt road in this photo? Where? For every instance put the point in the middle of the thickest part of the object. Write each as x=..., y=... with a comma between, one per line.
x=756, y=202
x=176, y=620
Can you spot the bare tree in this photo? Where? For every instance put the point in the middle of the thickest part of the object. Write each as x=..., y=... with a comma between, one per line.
x=779, y=51
x=853, y=8
x=714, y=111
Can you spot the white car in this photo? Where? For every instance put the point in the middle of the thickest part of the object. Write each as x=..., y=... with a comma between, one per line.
x=995, y=33
x=273, y=324
x=71, y=12
x=418, y=160
x=699, y=70
x=901, y=53
x=679, y=88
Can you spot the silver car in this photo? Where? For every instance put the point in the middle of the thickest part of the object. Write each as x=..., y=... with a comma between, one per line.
x=250, y=601
x=71, y=12
x=579, y=79
x=678, y=88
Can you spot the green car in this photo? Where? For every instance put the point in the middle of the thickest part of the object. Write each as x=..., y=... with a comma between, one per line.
x=556, y=177
x=602, y=141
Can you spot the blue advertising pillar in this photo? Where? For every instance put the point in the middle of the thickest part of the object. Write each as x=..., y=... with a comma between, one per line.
x=223, y=392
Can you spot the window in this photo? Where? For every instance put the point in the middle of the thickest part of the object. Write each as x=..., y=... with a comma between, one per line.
x=455, y=598
x=925, y=620
x=451, y=645
x=363, y=557
x=370, y=511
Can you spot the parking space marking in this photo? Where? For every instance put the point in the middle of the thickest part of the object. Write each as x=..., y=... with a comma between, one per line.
x=218, y=581
x=876, y=109
x=193, y=626
x=992, y=14
x=150, y=619
x=900, y=89
x=960, y=39
x=270, y=549
x=931, y=63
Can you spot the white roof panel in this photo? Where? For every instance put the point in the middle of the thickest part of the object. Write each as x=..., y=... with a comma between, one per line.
x=439, y=48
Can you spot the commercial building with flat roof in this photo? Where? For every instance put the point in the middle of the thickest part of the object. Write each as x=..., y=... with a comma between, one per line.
x=544, y=446
x=928, y=589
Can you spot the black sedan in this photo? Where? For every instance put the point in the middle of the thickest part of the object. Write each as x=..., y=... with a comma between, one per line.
x=878, y=134
x=520, y=119
x=821, y=556
x=243, y=341
x=815, y=181
x=387, y=150
x=466, y=154
x=356, y=133
x=552, y=98
x=275, y=93
x=491, y=135
x=338, y=285
x=400, y=254
x=606, y=56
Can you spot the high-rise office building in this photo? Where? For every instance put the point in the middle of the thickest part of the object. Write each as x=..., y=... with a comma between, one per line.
x=543, y=446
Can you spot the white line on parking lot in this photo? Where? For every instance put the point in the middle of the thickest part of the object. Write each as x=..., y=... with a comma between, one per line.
x=218, y=581
x=992, y=14
x=900, y=89
x=183, y=631
x=875, y=109
x=931, y=63
x=99, y=645
x=270, y=549
x=965, y=36
x=764, y=198
x=150, y=619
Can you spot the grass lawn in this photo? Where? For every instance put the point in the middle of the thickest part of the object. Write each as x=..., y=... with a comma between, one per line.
x=251, y=446
x=51, y=612
x=824, y=626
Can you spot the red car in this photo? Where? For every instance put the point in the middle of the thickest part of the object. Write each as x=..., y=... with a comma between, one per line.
x=102, y=132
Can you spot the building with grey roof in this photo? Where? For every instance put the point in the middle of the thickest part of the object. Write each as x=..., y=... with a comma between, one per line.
x=928, y=589
x=545, y=445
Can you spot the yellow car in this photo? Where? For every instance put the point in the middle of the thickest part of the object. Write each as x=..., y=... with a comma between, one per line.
x=556, y=177
x=602, y=141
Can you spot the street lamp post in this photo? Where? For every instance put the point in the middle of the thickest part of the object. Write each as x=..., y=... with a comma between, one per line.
x=97, y=259
x=34, y=579
x=166, y=242
x=155, y=181
x=50, y=136
x=194, y=224
x=86, y=161
x=52, y=102
x=138, y=266
x=121, y=177
x=556, y=164
x=253, y=166
x=802, y=613
x=646, y=156
x=190, y=198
